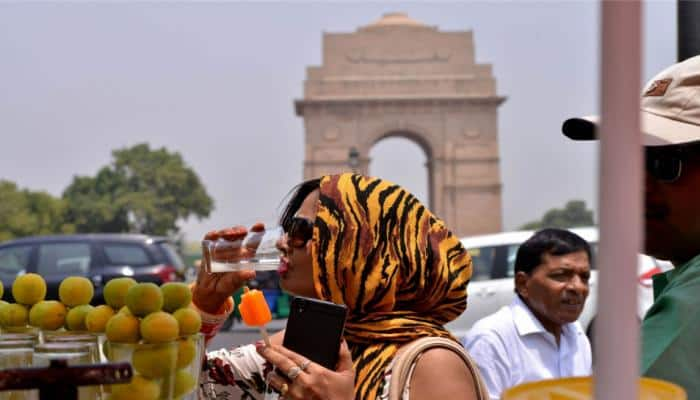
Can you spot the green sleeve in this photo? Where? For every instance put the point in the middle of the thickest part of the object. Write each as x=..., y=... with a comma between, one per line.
x=670, y=343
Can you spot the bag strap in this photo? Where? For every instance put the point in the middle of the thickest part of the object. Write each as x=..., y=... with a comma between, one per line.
x=409, y=354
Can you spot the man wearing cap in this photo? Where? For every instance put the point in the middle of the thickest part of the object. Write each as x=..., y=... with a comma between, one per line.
x=670, y=112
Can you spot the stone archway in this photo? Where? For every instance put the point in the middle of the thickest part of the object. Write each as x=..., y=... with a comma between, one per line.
x=415, y=135
x=398, y=76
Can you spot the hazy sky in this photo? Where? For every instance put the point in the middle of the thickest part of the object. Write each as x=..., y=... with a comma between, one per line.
x=216, y=82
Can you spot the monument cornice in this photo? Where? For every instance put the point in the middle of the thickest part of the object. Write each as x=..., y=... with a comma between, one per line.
x=300, y=105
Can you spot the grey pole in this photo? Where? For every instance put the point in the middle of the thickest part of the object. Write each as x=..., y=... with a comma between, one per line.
x=688, y=29
x=620, y=198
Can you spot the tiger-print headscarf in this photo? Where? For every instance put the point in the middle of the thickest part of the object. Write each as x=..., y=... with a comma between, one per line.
x=400, y=272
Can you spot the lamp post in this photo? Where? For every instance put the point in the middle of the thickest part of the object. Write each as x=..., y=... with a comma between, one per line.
x=353, y=159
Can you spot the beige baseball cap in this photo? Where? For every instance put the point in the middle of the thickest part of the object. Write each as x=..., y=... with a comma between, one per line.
x=670, y=109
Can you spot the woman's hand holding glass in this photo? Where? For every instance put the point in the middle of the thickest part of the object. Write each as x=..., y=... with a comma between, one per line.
x=232, y=249
x=303, y=379
x=212, y=290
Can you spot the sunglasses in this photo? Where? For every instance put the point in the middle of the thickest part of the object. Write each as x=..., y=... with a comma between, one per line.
x=299, y=231
x=665, y=164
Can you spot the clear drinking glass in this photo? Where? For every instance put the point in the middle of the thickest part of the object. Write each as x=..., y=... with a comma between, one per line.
x=224, y=255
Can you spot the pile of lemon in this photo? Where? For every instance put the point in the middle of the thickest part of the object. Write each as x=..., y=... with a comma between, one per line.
x=152, y=318
x=29, y=291
x=156, y=323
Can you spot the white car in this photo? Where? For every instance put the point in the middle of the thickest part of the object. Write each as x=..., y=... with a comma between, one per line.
x=492, y=287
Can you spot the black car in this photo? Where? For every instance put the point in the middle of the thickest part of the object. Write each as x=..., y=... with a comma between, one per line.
x=99, y=257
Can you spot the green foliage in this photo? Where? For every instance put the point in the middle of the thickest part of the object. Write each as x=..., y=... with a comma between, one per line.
x=574, y=214
x=92, y=203
x=142, y=190
x=24, y=213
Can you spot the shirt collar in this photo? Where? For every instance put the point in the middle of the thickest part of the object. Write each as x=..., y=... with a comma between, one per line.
x=526, y=323
x=664, y=280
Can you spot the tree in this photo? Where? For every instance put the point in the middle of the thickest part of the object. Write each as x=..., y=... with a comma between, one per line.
x=93, y=203
x=573, y=214
x=142, y=190
x=25, y=213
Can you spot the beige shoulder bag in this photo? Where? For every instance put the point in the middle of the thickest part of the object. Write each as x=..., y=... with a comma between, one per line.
x=408, y=356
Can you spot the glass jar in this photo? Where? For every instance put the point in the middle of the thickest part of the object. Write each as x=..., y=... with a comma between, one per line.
x=17, y=353
x=154, y=366
x=75, y=353
x=20, y=329
x=33, y=336
x=189, y=366
x=69, y=337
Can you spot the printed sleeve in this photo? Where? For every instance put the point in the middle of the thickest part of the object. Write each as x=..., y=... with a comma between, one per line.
x=234, y=374
x=237, y=373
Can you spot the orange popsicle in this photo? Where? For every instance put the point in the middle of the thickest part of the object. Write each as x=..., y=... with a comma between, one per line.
x=254, y=310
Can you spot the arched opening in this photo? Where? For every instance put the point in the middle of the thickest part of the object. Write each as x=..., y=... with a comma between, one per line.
x=403, y=160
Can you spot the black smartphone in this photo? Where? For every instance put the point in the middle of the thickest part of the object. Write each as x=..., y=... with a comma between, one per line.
x=315, y=330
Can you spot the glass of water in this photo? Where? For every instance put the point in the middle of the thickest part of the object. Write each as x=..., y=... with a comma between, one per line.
x=257, y=251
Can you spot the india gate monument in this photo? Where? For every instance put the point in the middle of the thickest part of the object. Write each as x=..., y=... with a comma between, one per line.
x=398, y=77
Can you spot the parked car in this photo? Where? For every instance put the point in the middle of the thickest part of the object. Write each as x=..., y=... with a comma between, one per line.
x=492, y=287
x=99, y=257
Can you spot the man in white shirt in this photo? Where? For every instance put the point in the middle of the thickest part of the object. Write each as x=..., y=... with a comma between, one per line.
x=537, y=336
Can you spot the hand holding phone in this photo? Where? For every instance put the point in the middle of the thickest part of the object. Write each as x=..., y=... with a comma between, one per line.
x=315, y=330
x=313, y=361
